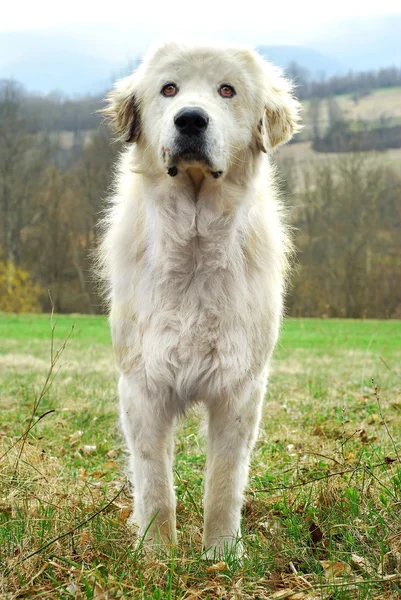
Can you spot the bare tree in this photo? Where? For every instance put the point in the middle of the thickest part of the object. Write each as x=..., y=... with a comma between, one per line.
x=22, y=164
x=349, y=240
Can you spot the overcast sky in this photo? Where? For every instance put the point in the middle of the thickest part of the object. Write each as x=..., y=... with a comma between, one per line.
x=288, y=21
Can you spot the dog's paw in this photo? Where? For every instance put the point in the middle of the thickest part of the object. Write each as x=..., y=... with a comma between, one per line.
x=132, y=523
x=227, y=548
x=157, y=539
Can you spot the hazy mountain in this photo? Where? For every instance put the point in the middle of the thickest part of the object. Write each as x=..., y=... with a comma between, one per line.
x=67, y=72
x=86, y=60
x=73, y=63
x=315, y=62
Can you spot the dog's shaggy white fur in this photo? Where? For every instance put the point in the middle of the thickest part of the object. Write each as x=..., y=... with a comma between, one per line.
x=195, y=254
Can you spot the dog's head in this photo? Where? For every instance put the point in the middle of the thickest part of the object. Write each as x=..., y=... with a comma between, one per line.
x=203, y=105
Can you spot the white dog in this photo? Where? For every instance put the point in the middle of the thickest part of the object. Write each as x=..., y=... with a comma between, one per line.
x=195, y=254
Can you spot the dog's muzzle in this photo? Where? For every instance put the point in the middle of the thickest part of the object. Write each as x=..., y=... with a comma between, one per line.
x=190, y=143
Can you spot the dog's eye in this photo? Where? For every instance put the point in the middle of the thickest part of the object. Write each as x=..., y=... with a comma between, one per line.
x=226, y=91
x=169, y=90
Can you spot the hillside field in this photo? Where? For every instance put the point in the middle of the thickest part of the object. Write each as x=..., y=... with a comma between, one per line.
x=322, y=512
x=383, y=104
x=304, y=158
x=380, y=108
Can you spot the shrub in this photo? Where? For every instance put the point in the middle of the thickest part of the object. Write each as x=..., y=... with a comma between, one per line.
x=18, y=293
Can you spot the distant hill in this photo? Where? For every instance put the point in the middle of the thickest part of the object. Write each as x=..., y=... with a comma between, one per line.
x=44, y=62
x=315, y=62
x=68, y=72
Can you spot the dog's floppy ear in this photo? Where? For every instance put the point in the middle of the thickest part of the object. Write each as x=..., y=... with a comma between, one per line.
x=122, y=110
x=280, y=119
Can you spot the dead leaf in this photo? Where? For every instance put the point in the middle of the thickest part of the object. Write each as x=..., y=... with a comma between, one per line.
x=272, y=526
x=100, y=593
x=110, y=464
x=6, y=509
x=283, y=594
x=365, y=439
x=111, y=453
x=359, y=563
x=72, y=588
x=391, y=563
x=76, y=435
x=220, y=566
x=84, y=539
x=125, y=513
x=335, y=569
x=388, y=460
x=88, y=449
x=316, y=533
x=318, y=431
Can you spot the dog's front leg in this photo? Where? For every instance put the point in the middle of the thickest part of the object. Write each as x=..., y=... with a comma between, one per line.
x=148, y=426
x=232, y=431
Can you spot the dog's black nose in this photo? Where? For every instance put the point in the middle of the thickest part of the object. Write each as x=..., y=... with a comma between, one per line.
x=191, y=121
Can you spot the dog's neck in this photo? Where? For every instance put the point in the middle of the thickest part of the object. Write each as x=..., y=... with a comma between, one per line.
x=197, y=176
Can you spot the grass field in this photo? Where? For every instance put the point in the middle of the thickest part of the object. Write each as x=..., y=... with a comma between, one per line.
x=322, y=513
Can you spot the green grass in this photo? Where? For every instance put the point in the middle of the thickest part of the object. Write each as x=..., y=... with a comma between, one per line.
x=37, y=327
x=321, y=518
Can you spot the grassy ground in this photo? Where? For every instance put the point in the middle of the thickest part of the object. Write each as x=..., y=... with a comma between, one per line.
x=322, y=511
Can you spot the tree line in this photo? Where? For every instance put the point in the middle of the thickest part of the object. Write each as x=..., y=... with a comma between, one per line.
x=356, y=83
x=346, y=221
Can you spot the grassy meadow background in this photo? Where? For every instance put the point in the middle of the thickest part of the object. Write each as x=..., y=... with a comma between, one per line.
x=322, y=512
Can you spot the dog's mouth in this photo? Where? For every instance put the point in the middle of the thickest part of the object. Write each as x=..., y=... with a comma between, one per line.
x=189, y=156
x=186, y=155
x=190, y=151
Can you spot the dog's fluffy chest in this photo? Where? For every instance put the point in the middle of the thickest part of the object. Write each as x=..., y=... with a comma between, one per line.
x=194, y=298
x=193, y=254
x=189, y=311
